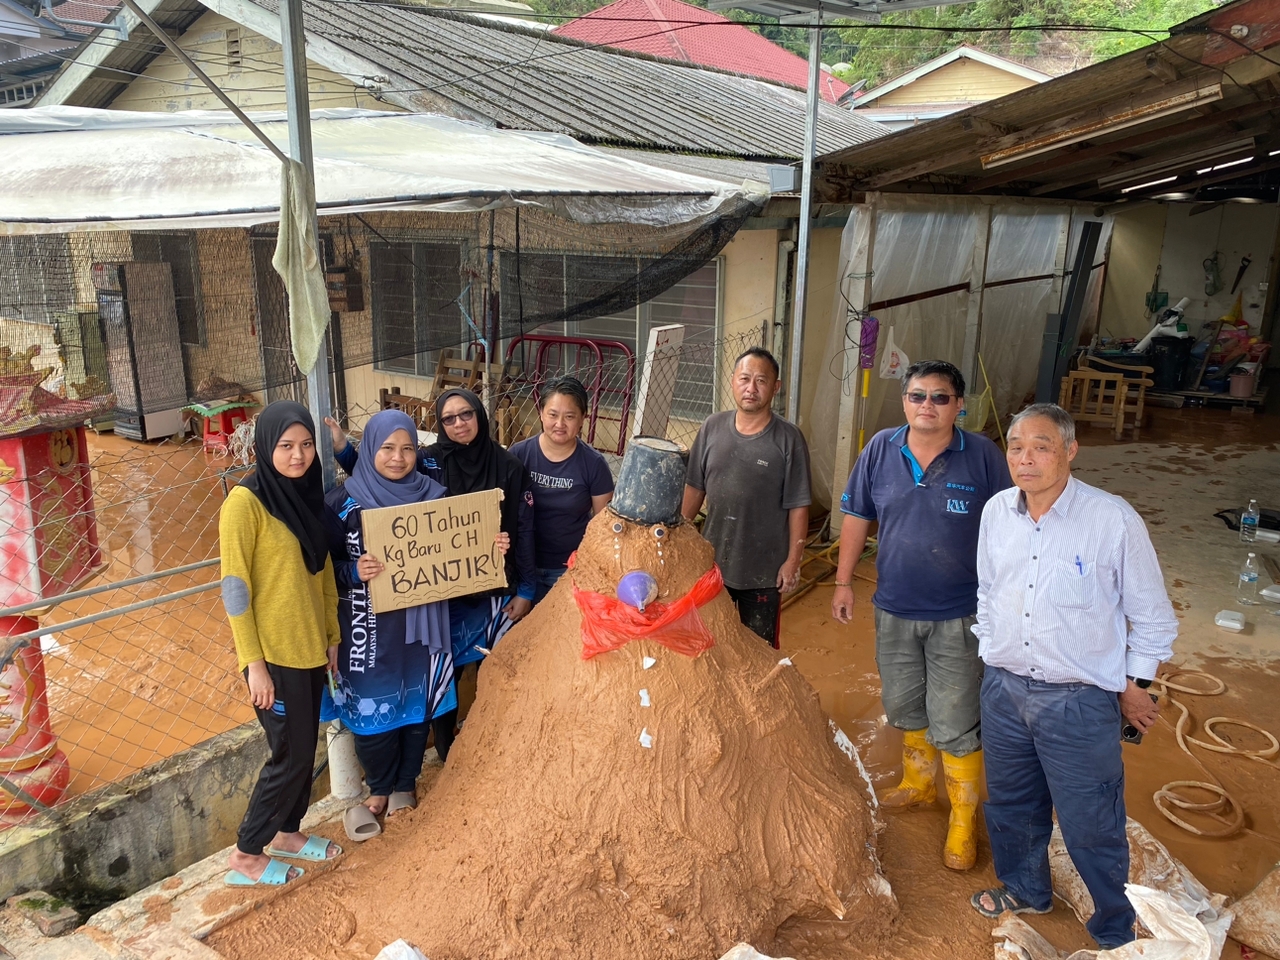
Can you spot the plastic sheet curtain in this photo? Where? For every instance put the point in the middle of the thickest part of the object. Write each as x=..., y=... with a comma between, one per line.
x=1024, y=242
x=924, y=244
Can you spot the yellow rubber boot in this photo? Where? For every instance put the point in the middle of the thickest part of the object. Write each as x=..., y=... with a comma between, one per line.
x=919, y=759
x=962, y=775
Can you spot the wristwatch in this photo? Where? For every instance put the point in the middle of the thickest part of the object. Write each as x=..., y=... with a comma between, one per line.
x=1140, y=683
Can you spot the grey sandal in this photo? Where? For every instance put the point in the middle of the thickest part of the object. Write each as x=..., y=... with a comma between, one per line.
x=360, y=823
x=401, y=800
x=1003, y=900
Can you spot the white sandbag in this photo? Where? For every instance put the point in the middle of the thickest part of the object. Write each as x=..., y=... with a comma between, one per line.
x=1175, y=934
x=1150, y=865
x=400, y=950
x=1257, y=922
x=744, y=951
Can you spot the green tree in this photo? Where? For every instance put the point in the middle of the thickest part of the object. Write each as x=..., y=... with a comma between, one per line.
x=884, y=52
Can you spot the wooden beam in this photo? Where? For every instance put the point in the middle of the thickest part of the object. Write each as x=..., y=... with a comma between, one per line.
x=1105, y=118
x=1082, y=154
x=1097, y=121
x=1168, y=157
x=1161, y=69
x=977, y=290
x=1261, y=20
x=985, y=127
x=1235, y=173
x=858, y=291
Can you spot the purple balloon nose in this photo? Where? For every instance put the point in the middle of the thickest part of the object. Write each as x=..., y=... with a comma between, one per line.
x=637, y=589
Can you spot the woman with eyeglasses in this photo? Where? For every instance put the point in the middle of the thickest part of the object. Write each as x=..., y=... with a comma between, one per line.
x=395, y=668
x=571, y=480
x=466, y=459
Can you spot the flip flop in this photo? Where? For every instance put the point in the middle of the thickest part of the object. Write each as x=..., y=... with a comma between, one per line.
x=316, y=848
x=276, y=875
x=401, y=800
x=1003, y=900
x=360, y=823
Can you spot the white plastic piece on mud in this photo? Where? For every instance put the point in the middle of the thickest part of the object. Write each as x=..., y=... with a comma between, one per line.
x=744, y=951
x=400, y=950
x=648, y=662
x=49, y=644
x=849, y=750
x=646, y=739
x=784, y=662
x=644, y=698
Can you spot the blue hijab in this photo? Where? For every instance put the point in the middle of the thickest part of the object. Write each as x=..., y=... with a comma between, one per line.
x=371, y=490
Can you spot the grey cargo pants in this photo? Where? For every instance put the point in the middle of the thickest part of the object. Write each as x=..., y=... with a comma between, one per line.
x=931, y=677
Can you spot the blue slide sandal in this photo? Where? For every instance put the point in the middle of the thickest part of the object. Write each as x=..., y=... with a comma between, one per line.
x=316, y=848
x=276, y=875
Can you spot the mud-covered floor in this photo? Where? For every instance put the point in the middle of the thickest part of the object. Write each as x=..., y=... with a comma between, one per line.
x=1185, y=466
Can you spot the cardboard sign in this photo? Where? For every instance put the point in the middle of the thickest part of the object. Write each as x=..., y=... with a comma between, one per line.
x=435, y=550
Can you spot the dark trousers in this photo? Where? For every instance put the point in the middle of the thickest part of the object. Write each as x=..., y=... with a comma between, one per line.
x=283, y=790
x=1056, y=746
x=760, y=610
x=442, y=730
x=392, y=761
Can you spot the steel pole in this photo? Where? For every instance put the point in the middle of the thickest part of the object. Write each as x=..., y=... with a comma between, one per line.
x=806, y=215
x=293, y=49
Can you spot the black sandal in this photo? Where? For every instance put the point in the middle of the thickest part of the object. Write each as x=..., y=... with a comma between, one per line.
x=1003, y=900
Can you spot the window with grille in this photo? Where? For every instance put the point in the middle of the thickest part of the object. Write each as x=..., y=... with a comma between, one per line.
x=414, y=288
x=543, y=291
x=179, y=251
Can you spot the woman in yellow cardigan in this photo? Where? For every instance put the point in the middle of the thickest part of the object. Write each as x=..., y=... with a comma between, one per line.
x=280, y=595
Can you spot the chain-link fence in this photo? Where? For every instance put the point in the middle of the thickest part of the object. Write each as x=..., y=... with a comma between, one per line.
x=134, y=663
x=137, y=661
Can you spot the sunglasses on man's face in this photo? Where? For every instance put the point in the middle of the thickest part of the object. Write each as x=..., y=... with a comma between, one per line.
x=939, y=399
x=466, y=416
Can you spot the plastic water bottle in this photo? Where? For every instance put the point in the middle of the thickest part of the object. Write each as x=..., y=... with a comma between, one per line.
x=1247, y=589
x=1249, y=523
x=962, y=419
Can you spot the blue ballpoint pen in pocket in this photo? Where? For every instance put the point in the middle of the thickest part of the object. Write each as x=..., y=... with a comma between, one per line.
x=1079, y=565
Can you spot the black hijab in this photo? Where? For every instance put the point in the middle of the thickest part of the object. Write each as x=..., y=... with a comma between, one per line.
x=468, y=467
x=479, y=465
x=298, y=504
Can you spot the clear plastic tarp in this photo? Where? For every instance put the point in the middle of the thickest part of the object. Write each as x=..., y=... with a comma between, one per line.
x=923, y=248
x=74, y=169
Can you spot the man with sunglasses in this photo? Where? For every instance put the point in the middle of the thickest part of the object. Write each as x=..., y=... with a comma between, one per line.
x=926, y=484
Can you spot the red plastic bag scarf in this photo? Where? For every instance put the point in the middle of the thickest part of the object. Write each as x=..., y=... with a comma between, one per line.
x=608, y=623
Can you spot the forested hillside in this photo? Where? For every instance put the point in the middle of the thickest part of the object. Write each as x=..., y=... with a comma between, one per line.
x=877, y=53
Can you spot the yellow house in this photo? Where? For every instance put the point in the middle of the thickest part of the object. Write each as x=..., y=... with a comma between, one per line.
x=962, y=78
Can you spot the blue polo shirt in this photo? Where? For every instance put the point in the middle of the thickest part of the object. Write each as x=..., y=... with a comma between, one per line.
x=927, y=554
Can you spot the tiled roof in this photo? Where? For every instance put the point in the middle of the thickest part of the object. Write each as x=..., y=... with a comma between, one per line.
x=676, y=30
x=74, y=10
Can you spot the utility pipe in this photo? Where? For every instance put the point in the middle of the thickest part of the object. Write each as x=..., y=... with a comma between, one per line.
x=806, y=216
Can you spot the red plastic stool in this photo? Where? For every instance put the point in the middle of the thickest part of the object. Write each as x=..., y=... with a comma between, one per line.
x=219, y=427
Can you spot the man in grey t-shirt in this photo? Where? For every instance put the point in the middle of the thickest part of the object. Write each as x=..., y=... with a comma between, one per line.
x=752, y=469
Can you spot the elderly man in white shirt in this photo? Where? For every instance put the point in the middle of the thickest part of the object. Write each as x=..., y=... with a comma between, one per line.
x=1073, y=622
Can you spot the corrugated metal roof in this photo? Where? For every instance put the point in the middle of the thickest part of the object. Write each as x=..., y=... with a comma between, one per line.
x=527, y=80
x=1102, y=133
x=675, y=30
